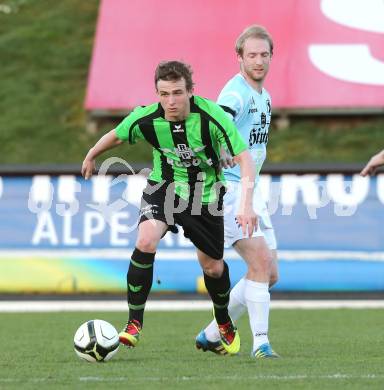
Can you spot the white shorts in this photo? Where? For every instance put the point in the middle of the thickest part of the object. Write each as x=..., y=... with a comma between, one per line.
x=233, y=232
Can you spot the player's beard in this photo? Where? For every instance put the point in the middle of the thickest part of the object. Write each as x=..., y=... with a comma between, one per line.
x=257, y=79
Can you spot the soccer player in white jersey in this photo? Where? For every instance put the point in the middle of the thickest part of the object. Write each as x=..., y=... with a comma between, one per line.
x=249, y=105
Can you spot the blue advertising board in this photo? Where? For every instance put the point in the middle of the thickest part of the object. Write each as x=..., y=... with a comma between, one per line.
x=65, y=234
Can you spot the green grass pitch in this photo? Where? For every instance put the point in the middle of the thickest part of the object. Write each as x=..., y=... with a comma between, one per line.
x=321, y=349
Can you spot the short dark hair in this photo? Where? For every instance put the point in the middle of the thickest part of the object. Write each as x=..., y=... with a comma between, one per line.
x=174, y=70
x=254, y=31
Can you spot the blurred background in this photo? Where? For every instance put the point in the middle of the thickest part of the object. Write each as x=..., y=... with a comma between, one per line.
x=70, y=71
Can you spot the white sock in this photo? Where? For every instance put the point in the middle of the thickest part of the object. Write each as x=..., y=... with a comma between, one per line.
x=257, y=298
x=236, y=308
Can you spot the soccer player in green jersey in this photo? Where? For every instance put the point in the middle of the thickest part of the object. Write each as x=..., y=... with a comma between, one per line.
x=184, y=188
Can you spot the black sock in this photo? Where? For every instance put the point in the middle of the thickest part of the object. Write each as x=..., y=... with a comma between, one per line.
x=219, y=289
x=139, y=283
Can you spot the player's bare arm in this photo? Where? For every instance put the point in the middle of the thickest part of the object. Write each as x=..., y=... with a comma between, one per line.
x=246, y=216
x=376, y=161
x=106, y=142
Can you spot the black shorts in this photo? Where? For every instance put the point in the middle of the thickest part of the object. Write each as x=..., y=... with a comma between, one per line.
x=202, y=224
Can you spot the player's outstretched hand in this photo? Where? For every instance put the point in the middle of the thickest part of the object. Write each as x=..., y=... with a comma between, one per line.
x=376, y=161
x=248, y=222
x=226, y=160
x=88, y=168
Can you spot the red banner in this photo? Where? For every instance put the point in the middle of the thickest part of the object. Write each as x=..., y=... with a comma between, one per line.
x=328, y=53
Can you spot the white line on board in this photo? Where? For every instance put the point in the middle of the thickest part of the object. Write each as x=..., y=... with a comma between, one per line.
x=187, y=254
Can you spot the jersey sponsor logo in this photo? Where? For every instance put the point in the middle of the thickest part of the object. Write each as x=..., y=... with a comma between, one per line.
x=256, y=136
x=187, y=156
x=184, y=152
x=177, y=129
x=194, y=162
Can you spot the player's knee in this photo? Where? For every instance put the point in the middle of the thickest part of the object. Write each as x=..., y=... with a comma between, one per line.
x=214, y=268
x=146, y=243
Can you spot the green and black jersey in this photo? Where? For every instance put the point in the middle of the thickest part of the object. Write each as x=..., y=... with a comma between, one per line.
x=188, y=151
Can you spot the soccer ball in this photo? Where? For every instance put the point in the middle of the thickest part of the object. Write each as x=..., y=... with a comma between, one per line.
x=96, y=341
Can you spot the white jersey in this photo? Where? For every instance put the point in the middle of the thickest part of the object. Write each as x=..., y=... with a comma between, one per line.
x=251, y=112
